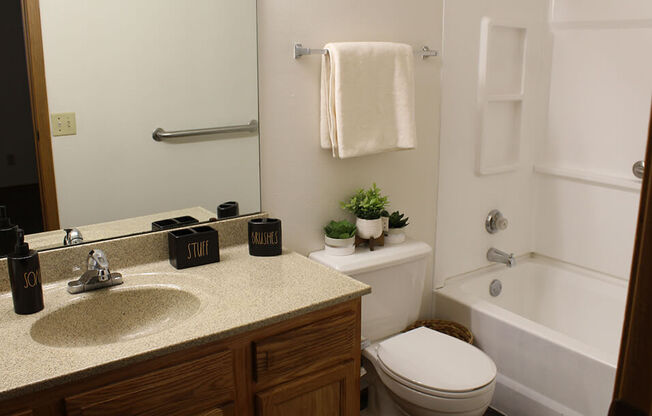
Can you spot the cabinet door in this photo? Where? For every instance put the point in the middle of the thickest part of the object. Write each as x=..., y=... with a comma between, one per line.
x=196, y=388
x=304, y=350
x=332, y=392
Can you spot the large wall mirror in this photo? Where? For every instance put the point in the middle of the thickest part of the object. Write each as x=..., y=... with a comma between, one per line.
x=114, y=71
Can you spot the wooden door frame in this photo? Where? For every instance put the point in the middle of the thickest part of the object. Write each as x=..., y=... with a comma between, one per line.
x=40, y=112
x=633, y=387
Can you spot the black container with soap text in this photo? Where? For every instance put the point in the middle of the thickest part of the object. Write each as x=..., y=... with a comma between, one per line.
x=25, y=277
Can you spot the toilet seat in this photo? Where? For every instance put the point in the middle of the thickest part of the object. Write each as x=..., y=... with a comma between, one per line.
x=431, y=392
x=436, y=364
x=415, y=402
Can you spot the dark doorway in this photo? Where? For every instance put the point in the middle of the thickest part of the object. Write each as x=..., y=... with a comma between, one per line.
x=19, y=179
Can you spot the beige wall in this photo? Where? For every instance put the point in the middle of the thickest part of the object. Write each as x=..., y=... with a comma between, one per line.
x=301, y=183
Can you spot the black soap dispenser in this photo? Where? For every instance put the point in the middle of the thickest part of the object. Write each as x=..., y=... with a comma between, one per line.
x=25, y=277
x=7, y=233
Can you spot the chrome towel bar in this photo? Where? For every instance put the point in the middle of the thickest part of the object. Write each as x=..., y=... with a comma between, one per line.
x=159, y=134
x=300, y=51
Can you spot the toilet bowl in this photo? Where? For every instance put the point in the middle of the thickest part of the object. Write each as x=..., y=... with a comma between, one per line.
x=420, y=372
x=430, y=374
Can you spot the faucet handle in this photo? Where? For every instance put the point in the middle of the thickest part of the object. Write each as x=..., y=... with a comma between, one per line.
x=495, y=222
x=97, y=260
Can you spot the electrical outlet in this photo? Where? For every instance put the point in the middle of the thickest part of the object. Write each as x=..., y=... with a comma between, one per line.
x=63, y=124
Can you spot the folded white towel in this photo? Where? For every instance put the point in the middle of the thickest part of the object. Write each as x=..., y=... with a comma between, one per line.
x=367, y=98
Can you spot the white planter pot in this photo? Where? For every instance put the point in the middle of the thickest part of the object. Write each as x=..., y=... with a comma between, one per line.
x=339, y=242
x=339, y=251
x=369, y=228
x=385, y=224
x=395, y=236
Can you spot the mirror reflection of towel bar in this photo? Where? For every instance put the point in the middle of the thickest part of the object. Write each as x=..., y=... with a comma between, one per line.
x=300, y=51
x=159, y=134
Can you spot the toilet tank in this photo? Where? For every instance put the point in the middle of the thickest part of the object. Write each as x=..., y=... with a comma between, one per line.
x=396, y=274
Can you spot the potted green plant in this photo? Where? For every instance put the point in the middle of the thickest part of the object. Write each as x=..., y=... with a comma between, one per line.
x=367, y=205
x=339, y=233
x=340, y=238
x=396, y=234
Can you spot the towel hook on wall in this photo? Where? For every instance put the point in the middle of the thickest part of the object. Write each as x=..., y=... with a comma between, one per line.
x=300, y=51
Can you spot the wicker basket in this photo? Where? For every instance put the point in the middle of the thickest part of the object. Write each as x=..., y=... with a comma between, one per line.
x=445, y=327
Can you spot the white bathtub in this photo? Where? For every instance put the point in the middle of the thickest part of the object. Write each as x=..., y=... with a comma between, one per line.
x=554, y=333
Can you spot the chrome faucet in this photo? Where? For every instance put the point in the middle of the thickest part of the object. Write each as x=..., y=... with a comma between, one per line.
x=498, y=256
x=97, y=274
x=73, y=237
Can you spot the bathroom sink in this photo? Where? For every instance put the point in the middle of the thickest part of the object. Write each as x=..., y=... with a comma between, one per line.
x=116, y=315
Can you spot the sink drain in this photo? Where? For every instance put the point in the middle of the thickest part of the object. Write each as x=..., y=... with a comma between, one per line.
x=495, y=287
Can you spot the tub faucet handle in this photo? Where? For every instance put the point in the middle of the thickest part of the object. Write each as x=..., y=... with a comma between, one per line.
x=495, y=222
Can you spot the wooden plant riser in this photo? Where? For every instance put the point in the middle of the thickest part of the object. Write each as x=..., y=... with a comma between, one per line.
x=372, y=242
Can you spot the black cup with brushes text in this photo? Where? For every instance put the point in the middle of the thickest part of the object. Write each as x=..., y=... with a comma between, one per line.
x=265, y=237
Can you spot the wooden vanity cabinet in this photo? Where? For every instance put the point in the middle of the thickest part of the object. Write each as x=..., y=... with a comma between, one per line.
x=307, y=365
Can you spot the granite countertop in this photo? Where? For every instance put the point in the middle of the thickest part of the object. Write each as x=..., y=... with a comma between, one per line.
x=238, y=294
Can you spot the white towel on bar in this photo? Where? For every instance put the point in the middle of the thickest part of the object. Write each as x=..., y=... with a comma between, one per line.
x=367, y=98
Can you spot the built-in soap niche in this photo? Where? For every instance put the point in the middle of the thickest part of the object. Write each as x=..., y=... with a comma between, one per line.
x=500, y=95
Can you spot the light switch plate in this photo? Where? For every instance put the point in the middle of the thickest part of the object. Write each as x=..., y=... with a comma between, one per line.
x=63, y=124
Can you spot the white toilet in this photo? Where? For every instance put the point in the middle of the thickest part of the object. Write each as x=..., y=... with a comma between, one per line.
x=420, y=372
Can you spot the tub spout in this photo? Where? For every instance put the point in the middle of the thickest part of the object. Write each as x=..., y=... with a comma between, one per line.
x=498, y=256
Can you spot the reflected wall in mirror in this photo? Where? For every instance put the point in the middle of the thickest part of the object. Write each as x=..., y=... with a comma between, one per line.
x=109, y=74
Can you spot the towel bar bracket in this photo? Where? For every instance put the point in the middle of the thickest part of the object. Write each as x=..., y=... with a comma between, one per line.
x=426, y=52
x=300, y=51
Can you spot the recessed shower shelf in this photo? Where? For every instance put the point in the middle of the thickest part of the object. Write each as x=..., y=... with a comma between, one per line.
x=501, y=95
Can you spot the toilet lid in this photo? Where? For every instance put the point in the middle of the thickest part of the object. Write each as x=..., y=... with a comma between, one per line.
x=436, y=361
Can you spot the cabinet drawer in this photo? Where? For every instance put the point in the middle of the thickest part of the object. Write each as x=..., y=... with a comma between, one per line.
x=302, y=350
x=194, y=388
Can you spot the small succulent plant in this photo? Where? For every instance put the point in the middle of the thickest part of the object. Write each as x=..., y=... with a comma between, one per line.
x=340, y=230
x=396, y=220
x=366, y=204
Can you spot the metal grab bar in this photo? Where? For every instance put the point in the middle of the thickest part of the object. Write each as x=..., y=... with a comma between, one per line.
x=159, y=134
x=639, y=169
